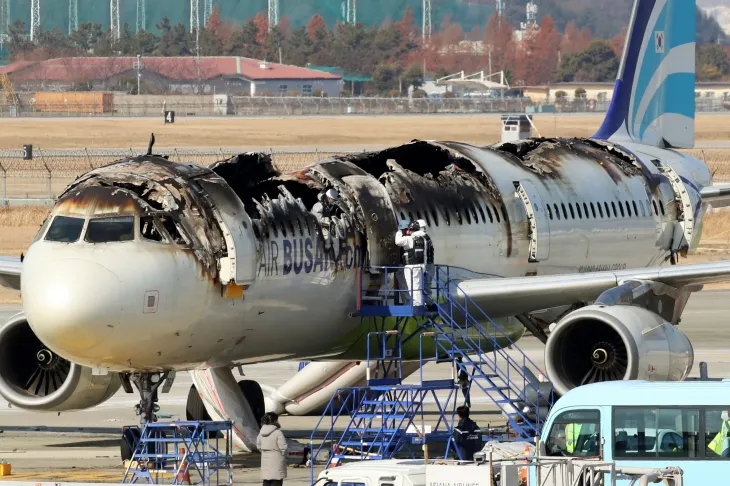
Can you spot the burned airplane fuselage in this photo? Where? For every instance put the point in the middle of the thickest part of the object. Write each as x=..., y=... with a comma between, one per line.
x=146, y=264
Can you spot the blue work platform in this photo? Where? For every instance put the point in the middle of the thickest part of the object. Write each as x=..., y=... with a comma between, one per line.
x=183, y=452
x=386, y=419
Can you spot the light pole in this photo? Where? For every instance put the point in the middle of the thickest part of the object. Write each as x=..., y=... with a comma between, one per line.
x=138, y=66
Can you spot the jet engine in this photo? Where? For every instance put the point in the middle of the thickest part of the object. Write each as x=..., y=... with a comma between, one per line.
x=33, y=377
x=609, y=343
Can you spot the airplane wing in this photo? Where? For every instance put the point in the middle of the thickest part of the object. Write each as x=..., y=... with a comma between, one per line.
x=718, y=195
x=509, y=296
x=10, y=272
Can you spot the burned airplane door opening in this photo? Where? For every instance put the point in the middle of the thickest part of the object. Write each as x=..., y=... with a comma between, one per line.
x=239, y=265
x=378, y=218
x=539, y=224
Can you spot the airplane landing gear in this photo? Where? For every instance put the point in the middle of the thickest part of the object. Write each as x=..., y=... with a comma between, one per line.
x=147, y=385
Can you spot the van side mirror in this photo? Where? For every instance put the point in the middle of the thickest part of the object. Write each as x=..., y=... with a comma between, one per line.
x=541, y=448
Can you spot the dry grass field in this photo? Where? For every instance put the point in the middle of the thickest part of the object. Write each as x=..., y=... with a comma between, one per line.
x=312, y=132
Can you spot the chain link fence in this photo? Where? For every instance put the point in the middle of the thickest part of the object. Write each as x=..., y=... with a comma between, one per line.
x=39, y=180
x=210, y=105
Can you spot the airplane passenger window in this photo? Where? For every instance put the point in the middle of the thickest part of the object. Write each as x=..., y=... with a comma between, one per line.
x=425, y=215
x=656, y=211
x=600, y=210
x=473, y=211
x=628, y=208
x=418, y=214
x=661, y=206
x=593, y=210
x=496, y=214
x=504, y=213
x=435, y=216
x=109, y=230
x=577, y=208
x=572, y=213
x=636, y=211
x=565, y=213
x=557, y=211
x=615, y=213
x=623, y=215
x=467, y=215
x=585, y=210
x=608, y=211
x=458, y=214
x=65, y=229
x=148, y=229
x=550, y=212
x=481, y=212
x=410, y=216
x=489, y=213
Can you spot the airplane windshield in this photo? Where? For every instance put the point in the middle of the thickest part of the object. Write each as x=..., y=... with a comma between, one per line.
x=65, y=229
x=107, y=230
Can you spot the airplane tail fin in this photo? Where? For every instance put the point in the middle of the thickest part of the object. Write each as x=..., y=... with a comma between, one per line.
x=654, y=96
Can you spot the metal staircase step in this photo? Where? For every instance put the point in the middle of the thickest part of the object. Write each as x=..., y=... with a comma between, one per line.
x=371, y=430
x=385, y=416
x=385, y=402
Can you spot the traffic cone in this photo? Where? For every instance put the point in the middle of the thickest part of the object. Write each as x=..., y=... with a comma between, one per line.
x=184, y=474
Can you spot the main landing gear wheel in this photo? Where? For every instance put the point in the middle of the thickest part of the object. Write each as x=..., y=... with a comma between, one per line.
x=255, y=398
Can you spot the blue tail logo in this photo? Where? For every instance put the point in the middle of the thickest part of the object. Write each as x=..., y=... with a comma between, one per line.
x=654, y=96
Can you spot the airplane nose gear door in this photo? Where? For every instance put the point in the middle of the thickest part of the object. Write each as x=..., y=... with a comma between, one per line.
x=539, y=225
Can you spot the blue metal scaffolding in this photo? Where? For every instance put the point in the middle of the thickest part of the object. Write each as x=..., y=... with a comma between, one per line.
x=184, y=452
x=382, y=419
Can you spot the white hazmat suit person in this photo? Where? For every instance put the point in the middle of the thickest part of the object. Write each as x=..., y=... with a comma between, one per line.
x=323, y=210
x=417, y=253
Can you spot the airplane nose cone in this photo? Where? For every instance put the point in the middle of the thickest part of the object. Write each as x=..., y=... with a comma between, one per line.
x=71, y=304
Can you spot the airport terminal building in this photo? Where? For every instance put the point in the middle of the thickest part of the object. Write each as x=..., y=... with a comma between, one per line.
x=232, y=75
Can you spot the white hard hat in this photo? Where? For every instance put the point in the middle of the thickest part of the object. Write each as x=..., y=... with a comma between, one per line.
x=332, y=194
x=421, y=223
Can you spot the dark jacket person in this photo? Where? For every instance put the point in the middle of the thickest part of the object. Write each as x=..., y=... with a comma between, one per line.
x=467, y=435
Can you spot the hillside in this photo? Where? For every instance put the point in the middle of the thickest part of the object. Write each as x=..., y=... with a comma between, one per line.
x=605, y=18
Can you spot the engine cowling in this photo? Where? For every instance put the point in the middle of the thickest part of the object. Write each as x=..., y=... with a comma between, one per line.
x=33, y=377
x=609, y=343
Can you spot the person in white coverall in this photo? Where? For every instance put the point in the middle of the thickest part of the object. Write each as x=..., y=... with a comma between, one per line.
x=417, y=253
x=323, y=211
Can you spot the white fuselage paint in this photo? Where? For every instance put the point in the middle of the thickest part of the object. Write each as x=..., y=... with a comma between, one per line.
x=301, y=312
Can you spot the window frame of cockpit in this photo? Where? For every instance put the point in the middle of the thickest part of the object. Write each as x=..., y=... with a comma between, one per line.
x=78, y=239
x=135, y=226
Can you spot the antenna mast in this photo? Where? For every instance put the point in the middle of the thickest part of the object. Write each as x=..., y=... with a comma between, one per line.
x=351, y=16
x=194, y=16
x=207, y=11
x=141, y=15
x=426, y=20
x=4, y=21
x=35, y=18
x=273, y=13
x=114, y=24
x=73, y=16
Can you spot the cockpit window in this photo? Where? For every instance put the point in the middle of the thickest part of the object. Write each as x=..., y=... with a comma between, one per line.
x=148, y=229
x=107, y=230
x=173, y=229
x=65, y=229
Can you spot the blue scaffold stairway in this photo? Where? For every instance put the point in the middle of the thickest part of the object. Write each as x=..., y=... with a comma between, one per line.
x=184, y=452
x=383, y=418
